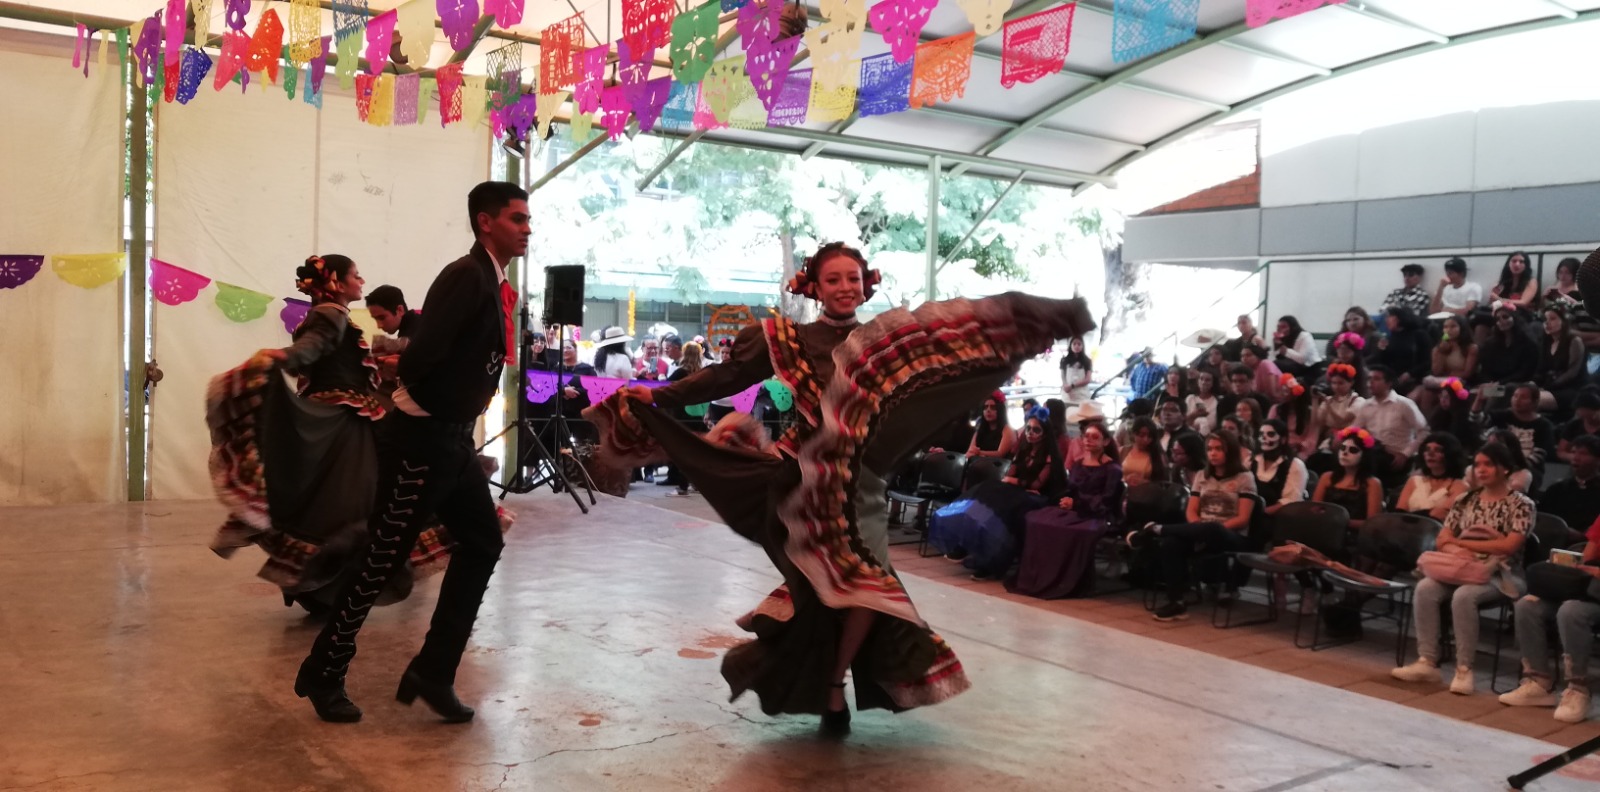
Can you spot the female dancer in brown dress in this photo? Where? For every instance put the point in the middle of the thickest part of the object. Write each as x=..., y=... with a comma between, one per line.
x=867, y=396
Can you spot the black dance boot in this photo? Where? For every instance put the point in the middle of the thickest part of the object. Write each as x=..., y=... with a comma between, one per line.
x=329, y=699
x=440, y=698
x=836, y=723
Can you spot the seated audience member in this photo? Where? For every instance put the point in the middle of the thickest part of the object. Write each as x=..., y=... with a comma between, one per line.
x=1508, y=354
x=1201, y=407
x=387, y=305
x=1297, y=413
x=1517, y=286
x=1562, y=361
x=1293, y=349
x=1522, y=478
x=1034, y=480
x=1188, y=457
x=1576, y=621
x=1144, y=461
x=1411, y=296
x=1354, y=484
x=1577, y=499
x=1248, y=411
x=1565, y=294
x=1337, y=409
x=1241, y=384
x=1491, y=508
x=1136, y=409
x=1171, y=417
x=1218, y=520
x=1244, y=434
x=1437, y=482
x=1280, y=475
x=1396, y=423
x=1535, y=435
x=1248, y=335
x=993, y=436
x=1029, y=405
x=1174, y=389
x=1363, y=334
x=1404, y=351
x=1059, y=541
x=1082, y=415
x=1268, y=379
x=1214, y=362
x=1454, y=357
x=1585, y=421
x=1455, y=295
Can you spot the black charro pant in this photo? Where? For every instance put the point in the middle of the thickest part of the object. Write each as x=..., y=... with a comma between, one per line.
x=426, y=468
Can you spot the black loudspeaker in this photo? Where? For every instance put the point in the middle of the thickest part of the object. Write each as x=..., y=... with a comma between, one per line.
x=563, y=295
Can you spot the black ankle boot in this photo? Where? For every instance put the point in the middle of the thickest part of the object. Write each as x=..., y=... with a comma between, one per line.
x=328, y=698
x=439, y=698
x=836, y=723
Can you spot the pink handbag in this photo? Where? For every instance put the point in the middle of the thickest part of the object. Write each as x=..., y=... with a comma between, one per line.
x=1458, y=566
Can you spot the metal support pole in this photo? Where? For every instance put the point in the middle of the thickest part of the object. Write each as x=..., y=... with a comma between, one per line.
x=982, y=217
x=138, y=299
x=935, y=170
x=516, y=275
x=572, y=159
x=673, y=155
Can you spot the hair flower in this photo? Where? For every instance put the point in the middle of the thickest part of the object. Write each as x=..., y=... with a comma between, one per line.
x=1292, y=385
x=1353, y=340
x=1362, y=436
x=1454, y=387
x=1345, y=369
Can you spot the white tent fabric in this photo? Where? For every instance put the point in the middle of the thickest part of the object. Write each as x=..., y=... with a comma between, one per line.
x=61, y=426
x=393, y=199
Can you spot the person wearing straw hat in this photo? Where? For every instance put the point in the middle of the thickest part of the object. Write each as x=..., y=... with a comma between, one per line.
x=611, y=356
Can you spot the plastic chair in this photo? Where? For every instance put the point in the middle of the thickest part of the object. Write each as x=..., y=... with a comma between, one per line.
x=1552, y=533
x=938, y=484
x=1394, y=540
x=902, y=489
x=982, y=470
x=1323, y=527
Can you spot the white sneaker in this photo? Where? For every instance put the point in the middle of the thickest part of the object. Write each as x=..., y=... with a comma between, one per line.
x=1574, y=705
x=1529, y=694
x=1418, y=670
x=1464, y=684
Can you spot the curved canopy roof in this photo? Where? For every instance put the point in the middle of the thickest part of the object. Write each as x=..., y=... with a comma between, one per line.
x=1074, y=128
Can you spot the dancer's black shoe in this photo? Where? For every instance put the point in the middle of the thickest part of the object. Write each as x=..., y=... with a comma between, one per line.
x=836, y=723
x=440, y=698
x=330, y=701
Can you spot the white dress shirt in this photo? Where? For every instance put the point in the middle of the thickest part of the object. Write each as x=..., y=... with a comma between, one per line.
x=1394, y=420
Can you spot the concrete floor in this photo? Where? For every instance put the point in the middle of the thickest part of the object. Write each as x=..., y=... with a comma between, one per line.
x=137, y=660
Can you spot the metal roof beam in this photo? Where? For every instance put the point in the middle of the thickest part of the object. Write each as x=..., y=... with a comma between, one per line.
x=1120, y=78
x=1320, y=71
x=1351, y=68
x=1396, y=21
x=1560, y=8
x=802, y=133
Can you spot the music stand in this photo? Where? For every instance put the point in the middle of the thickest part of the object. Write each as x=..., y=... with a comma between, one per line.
x=537, y=465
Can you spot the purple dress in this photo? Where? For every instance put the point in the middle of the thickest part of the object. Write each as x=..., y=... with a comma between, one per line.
x=1058, y=544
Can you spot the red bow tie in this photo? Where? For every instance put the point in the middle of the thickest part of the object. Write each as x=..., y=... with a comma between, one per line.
x=508, y=301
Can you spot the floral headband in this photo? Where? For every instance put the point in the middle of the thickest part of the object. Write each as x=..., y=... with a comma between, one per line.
x=1352, y=339
x=803, y=285
x=1346, y=369
x=1292, y=385
x=1454, y=387
x=322, y=269
x=1362, y=436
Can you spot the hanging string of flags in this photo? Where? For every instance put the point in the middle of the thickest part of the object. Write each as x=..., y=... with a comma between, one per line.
x=170, y=284
x=541, y=388
x=757, y=88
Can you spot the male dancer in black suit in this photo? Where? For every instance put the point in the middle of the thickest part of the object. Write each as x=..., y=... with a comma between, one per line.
x=427, y=466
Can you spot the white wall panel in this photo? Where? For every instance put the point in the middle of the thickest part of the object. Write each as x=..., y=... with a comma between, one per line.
x=1538, y=145
x=61, y=396
x=1322, y=171
x=1426, y=157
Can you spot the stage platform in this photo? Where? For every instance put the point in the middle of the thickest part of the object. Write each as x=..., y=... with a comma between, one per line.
x=135, y=659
